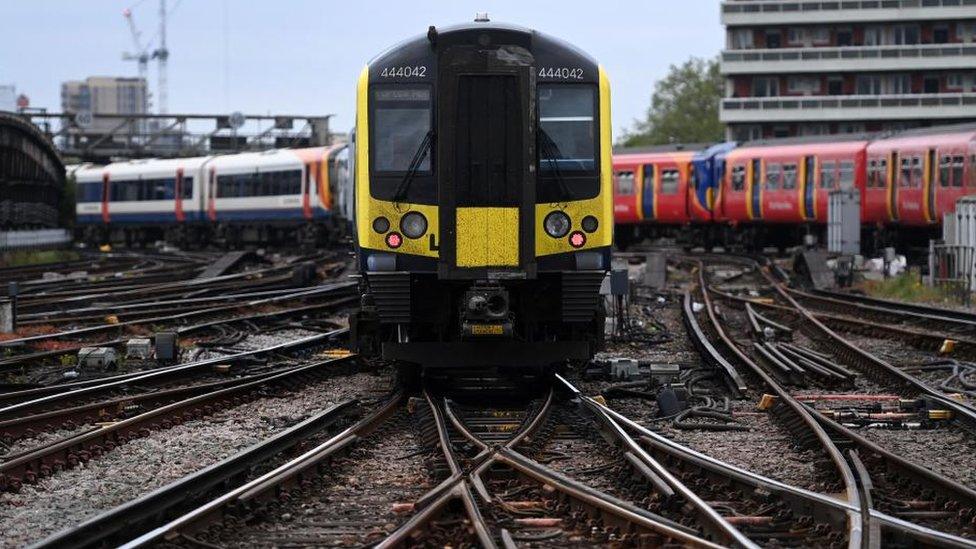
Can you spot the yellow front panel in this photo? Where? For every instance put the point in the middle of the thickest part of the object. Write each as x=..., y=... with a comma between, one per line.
x=487, y=237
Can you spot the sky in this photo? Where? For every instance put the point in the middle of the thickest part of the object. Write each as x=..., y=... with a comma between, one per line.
x=304, y=56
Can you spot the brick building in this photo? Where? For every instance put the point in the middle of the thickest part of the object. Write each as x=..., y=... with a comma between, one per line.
x=814, y=67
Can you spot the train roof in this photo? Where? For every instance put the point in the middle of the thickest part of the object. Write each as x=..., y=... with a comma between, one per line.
x=654, y=149
x=269, y=158
x=956, y=134
x=810, y=139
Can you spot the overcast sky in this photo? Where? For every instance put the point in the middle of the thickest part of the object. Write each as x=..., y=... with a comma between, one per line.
x=303, y=56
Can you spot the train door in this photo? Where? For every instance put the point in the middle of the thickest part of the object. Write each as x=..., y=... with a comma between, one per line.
x=930, y=172
x=178, y=195
x=755, y=189
x=893, y=182
x=809, y=187
x=648, y=191
x=106, y=196
x=484, y=208
x=307, y=183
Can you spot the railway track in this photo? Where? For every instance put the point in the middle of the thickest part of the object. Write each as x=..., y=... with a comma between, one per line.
x=886, y=480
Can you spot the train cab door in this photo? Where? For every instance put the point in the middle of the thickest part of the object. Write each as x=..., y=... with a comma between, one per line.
x=893, y=182
x=491, y=195
x=648, y=191
x=931, y=169
x=755, y=189
x=809, y=187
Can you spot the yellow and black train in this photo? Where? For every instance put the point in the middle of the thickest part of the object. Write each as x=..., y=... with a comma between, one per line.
x=483, y=199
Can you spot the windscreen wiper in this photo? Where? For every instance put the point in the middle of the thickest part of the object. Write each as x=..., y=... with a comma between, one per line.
x=550, y=151
x=418, y=158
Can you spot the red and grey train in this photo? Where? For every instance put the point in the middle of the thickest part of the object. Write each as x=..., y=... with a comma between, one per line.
x=772, y=193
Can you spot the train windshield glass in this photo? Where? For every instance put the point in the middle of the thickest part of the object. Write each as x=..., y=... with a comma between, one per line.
x=567, y=142
x=401, y=121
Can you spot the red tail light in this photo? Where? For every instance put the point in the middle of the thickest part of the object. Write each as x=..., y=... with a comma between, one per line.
x=394, y=240
x=577, y=239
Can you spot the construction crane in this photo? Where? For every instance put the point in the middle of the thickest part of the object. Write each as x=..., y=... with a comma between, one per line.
x=143, y=55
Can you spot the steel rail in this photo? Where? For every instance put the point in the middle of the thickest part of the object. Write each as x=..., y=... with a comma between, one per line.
x=119, y=524
x=718, y=526
x=605, y=504
x=962, y=317
x=962, y=413
x=855, y=529
x=799, y=499
x=44, y=402
x=75, y=449
x=264, y=485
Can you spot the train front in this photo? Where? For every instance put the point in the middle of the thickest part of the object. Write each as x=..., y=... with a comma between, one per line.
x=483, y=200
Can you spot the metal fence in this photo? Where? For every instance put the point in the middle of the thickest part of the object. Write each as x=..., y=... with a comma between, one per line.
x=39, y=239
x=953, y=268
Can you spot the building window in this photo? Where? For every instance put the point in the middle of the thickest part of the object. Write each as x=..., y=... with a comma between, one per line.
x=765, y=86
x=741, y=39
x=872, y=36
x=805, y=85
x=794, y=36
x=868, y=84
x=850, y=127
x=773, y=39
x=955, y=82
x=940, y=34
x=903, y=35
x=898, y=84
x=820, y=36
x=966, y=31
x=814, y=129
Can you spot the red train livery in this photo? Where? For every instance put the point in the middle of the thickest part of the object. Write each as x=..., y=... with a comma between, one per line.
x=772, y=193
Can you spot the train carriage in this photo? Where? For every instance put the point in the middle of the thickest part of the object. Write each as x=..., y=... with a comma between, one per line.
x=915, y=177
x=483, y=199
x=769, y=187
x=655, y=191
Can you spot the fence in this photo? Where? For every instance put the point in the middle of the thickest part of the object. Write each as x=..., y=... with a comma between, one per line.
x=952, y=267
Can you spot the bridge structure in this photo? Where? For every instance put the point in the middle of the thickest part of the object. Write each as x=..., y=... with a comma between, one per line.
x=101, y=138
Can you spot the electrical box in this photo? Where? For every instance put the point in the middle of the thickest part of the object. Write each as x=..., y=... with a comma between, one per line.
x=97, y=357
x=844, y=222
x=138, y=348
x=166, y=346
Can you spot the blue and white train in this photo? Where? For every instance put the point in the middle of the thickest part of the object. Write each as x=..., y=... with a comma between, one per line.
x=281, y=195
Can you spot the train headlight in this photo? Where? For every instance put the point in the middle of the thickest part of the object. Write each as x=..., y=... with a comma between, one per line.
x=381, y=225
x=556, y=224
x=413, y=225
x=590, y=223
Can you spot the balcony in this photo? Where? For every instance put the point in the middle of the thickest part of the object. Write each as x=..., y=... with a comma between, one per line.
x=772, y=12
x=849, y=58
x=946, y=106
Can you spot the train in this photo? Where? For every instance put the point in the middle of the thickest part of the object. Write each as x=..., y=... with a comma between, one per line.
x=776, y=192
x=298, y=196
x=483, y=200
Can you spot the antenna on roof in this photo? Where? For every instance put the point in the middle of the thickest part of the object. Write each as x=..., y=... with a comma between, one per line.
x=481, y=17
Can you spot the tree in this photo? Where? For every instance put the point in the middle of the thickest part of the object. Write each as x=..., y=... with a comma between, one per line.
x=684, y=107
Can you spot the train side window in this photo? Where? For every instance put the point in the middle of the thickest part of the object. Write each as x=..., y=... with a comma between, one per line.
x=828, y=175
x=905, y=180
x=773, y=175
x=90, y=192
x=625, y=183
x=958, y=170
x=882, y=180
x=845, y=174
x=972, y=170
x=917, y=171
x=872, y=174
x=789, y=176
x=738, y=178
x=945, y=170
x=669, y=181
x=186, y=191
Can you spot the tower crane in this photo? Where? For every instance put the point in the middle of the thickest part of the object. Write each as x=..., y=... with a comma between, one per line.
x=143, y=55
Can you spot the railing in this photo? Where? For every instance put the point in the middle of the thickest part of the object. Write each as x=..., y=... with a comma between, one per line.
x=850, y=102
x=780, y=6
x=870, y=53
